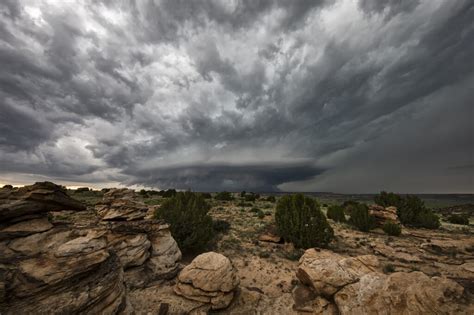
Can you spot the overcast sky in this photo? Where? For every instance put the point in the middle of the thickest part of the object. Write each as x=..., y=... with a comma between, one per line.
x=329, y=95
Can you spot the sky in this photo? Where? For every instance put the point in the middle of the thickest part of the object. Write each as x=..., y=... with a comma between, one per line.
x=348, y=96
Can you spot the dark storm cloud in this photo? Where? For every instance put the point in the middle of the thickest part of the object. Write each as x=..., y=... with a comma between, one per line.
x=212, y=95
x=254, y=177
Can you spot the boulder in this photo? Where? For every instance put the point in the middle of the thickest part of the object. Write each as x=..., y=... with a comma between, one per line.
x=382, y=215
x=327, y=272
x=210, y=278
x=34, y=200
x=401, y=293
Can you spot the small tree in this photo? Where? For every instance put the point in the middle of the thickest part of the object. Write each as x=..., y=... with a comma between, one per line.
x=190, y=224
x=336, y=213
x=224, y=195
x=392, y=229
x=458, y=219
x=412, y=211
x=361, y=219
x=300, y=221
x=386, y=199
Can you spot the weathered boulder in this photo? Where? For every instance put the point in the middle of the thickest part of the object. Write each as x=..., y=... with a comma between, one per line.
x=327, y=272
x=401, y=293
x=119, y=205
x=210, y=278
x=32, y=201
x=382, y=215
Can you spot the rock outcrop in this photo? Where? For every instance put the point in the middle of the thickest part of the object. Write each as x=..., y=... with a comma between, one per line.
x=120, y=205
x=210, y=278
x=54, y=270
x=356, y=286
x=77, y=268
x=401, y=293
x=327, y=272
x=382, y=215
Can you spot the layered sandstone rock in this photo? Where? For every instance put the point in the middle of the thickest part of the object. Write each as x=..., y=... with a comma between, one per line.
x=356, y=286
x=326, y=272
x=77, y=267
x=382, y=215
x=401, y=293
x=210, y=278
x=120, y=205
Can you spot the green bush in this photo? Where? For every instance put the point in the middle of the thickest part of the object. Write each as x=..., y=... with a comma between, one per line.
x=411, y=210
x=392, y=229
x=190, y=225
x=300, y=221
x=458, y=219
x=206, y=195
x=386, y=199
x=249, y=198
x=168, y=193
x=224, y=196
x=360, y=218
x=336, y=213
x=271, y=199
x=221, y=226
x=260, y=214
x=348, y=205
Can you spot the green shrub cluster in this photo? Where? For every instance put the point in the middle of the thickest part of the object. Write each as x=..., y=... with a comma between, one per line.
x=458, y=219
x=224, y=196
x=190, y=224
x=336, y=213
x=271, y=199
x=221, y=226
x=411, y=210
x=360, y=218
x=392, y=229
x=387, y=199
x=300, y=221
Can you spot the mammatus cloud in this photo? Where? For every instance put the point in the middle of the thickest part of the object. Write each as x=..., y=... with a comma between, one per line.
x=344, y=96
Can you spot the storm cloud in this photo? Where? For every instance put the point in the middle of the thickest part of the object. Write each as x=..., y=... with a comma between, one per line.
x=342, y=96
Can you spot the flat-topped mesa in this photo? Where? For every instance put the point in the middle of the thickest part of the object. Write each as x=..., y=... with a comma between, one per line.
x=119, y=204
x=34, y=201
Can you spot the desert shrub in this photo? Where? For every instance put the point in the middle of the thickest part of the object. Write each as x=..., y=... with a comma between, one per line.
x=206, y=195
x=360, y=218
x=255, y=210
x=249, y=198
x=392, y=229
x=271, y=199
x=388, y=268
x=244, y=204
x=224, y=195
x=82, y=189
x=458, y=219
x=142, y=192
x=336, y=213
x=190, y=225
x=348, y=205
x=221, y=226
x=242, y=194
x=412, y=211
x=153, y=202
x=386, y=199
x=300, y=221
x=168, y=193
x=260, y=214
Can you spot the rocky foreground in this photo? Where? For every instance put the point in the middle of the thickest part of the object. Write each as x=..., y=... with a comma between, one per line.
x=59, y=257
